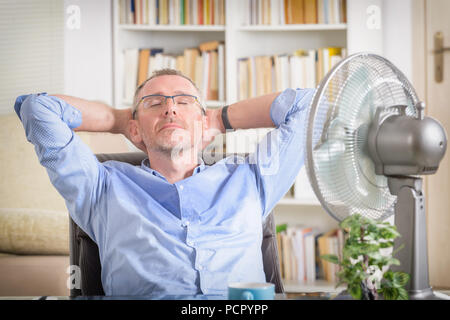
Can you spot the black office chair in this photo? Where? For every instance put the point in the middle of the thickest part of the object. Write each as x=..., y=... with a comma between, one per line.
x=84, y=251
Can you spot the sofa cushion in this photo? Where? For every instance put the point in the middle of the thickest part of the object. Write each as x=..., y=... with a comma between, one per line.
x=33, y=231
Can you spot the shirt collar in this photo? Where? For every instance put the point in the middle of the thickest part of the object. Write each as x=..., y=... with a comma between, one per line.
x=145, y=165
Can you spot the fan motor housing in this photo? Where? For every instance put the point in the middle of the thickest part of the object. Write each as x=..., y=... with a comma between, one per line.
x=404, y=145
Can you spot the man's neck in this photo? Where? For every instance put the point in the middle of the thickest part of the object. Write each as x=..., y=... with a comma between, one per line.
x=173, y=168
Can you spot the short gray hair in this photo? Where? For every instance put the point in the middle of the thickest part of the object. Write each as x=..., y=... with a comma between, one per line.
x=164, y=72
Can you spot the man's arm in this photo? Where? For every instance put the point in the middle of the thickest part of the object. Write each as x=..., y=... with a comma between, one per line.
x=245, y=114
x=99, y=117
x=280, y=154
x=72, y=167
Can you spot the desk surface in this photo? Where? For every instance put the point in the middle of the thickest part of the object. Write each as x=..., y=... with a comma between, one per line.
x=278, y=296
x=443, y=294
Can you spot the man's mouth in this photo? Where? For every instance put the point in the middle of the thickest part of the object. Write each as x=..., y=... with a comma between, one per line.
x=171, y=125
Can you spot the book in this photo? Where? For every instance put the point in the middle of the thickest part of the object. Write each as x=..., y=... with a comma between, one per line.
x=297, y=14
x=144, y=57
x=152, y=61
x=280, y=254
x=259, y=76
x=310, y=11
x=277, y=73
x=286, y=254
x=172, y=12
x=251, y=77
x=221, y=71
x=331, y=242
x=209, y=46
x=201, y=20
x=243, y=78
x=131, y=60
x=275, y=12
x=132, y=11
x=320, y=12
x=190, y=56
x=310, y=256
x=296, y=250
x=287, y=11
x=267, y=74
x=198, y=72
x=205, y=74
x=123, y=12
x=213, y=85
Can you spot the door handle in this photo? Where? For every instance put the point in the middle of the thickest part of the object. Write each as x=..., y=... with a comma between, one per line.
x=438, y=51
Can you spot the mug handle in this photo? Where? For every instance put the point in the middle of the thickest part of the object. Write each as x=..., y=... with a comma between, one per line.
x=247, y=295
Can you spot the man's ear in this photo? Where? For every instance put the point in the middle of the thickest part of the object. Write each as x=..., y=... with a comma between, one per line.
x=135, y=134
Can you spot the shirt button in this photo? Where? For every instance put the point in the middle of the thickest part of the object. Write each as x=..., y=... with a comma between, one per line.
x=181, y=187
x=190, y=243
x=200, y=268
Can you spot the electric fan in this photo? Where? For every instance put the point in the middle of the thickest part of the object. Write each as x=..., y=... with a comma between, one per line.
x=367, y=142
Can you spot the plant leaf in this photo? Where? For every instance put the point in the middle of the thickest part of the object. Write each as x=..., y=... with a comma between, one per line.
x=355, y=291
x=402, y=294
x=390, y=293
x=330, y=258
x=393, y=261
x=400, y=279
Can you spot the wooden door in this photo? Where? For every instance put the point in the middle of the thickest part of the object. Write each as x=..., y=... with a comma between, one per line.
x=438, y=185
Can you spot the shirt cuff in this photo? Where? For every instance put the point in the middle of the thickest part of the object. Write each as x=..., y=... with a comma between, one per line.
x=287, y=102
x=281, y=106
x=69, y=114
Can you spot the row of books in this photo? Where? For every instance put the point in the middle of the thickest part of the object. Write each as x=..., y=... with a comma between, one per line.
x=204, y=65
x=299, y=251
x=280, y=12
x=172, y=12
x=304, y=69
x=331, y=242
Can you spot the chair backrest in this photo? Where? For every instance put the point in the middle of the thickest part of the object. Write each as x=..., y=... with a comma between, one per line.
x=84, y=251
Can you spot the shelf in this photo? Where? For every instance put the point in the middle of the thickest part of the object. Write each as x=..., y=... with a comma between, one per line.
x=289, y=201
x=295, y=27
x=140, y=27
x=293, y=286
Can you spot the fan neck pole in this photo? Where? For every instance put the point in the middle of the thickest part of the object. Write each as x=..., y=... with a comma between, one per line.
x=410, y=221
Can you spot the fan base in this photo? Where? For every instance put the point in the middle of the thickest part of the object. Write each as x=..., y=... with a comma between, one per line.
x=426, y=294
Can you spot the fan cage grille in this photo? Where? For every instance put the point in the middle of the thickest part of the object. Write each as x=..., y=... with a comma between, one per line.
x=339, y=167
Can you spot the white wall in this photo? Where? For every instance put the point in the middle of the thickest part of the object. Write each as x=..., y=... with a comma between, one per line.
x=397, y=34
x=365, y=26
x=88, y=49
x=384, y=27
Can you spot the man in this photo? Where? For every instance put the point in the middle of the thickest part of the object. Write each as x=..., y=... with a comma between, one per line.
x=172, y=225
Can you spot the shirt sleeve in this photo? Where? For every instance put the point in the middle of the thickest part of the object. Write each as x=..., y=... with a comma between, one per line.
x=72, y=167
x=281, y=153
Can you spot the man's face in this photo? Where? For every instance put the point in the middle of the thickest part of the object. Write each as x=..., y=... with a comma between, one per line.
x=167, y=127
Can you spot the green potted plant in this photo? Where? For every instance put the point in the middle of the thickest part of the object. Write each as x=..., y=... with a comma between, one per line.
x=366, y=258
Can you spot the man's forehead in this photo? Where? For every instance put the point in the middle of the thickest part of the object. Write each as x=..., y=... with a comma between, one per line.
x=169, y=84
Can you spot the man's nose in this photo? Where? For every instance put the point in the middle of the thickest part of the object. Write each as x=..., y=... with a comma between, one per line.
x=170, y=107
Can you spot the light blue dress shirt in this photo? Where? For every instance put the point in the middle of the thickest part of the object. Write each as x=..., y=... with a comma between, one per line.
x=191, y=237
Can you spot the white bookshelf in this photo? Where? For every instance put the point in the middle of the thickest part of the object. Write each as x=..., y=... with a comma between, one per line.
x=295, y=27
x=182, y=28
x=291, y=201
x=252, y=40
